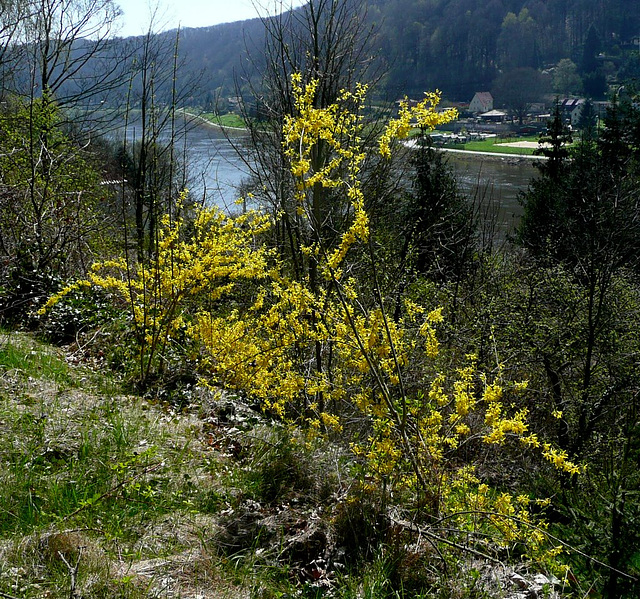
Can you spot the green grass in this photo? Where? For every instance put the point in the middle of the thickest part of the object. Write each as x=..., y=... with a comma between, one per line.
x=136, y=493
x=18, y=354
x=225, y=120
x=103, y=480
x=490, y=146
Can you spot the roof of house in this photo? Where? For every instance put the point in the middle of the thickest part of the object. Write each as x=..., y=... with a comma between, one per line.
x=571, y=103
x=483, y=97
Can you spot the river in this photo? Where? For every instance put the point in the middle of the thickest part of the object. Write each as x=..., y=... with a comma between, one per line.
x=497, y=181
x=214, y=168
x=216, y=171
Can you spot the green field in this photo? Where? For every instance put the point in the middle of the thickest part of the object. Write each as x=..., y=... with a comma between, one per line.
x=225, y=120
x=492, y=145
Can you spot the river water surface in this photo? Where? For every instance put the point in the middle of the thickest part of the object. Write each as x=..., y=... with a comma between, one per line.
x=497, y=181
x=216, y=172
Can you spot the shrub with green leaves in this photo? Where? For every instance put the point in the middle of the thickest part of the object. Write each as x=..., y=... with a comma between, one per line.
x=49, y=217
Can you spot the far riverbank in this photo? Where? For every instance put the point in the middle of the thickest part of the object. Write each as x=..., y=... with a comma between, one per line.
x=206, y=122
x=217, y=170
x=515, y=158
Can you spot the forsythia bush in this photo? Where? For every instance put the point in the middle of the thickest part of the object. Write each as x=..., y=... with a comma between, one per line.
x=199, y=267
x=323, y=358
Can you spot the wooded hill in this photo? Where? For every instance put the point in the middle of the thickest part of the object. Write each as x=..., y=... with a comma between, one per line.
x=458, y=46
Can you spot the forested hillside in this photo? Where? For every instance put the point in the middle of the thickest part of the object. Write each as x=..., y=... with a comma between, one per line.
x=582, y=47
x=458, y=46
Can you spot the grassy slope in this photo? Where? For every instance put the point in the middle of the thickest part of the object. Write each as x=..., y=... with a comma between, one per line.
x=110, y=496
x=121, y=489
x=146, y=500
x=225, y=120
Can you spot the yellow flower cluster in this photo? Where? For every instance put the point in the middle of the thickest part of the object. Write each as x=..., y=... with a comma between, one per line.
x=423, y=115
x=559, y=459
x=323, y=147
x=207, y=264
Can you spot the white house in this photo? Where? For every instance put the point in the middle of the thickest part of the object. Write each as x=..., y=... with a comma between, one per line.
x=493, y=116
x=572, y=109
x=482, y=102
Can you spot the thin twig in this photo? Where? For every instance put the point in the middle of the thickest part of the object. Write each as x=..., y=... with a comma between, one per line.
x=73, y=572
x=435, y=537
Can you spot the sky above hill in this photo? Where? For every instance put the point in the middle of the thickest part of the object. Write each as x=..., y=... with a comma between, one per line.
x=170, y=14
